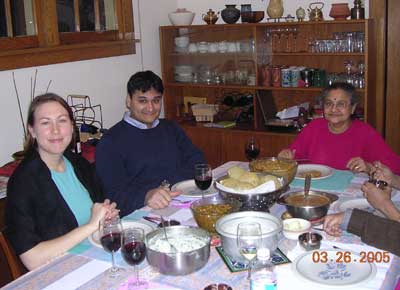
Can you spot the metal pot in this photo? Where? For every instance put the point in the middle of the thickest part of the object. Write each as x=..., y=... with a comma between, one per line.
x=307, y=212
x=179, y=263
x=256, y=201
x=227, y=226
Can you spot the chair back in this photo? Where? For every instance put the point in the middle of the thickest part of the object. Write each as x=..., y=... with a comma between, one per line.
x=10, y=266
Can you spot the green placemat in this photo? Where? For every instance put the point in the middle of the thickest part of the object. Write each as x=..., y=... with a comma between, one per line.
x=278, y=258
x=339, y=181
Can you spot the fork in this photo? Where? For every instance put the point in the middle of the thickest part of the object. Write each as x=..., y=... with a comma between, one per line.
x=182, y=201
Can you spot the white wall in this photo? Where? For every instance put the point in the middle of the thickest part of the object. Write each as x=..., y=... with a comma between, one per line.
x=290, y=6
x=104, y=80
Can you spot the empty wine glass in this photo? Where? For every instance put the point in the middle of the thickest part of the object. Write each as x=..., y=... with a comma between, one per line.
x=248, y=241
x=203, y=177
x=110, y=233
x=252, y=149
x=134, y=251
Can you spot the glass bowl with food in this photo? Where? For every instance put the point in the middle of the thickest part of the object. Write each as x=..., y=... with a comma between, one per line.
x=275, y=165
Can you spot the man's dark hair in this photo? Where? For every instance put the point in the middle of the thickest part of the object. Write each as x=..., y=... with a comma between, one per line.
x=349, y=89
x=144, y=81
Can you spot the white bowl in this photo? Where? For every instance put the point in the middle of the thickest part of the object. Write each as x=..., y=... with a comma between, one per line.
x=181, y=18
x=294, y=227
x=182, y=41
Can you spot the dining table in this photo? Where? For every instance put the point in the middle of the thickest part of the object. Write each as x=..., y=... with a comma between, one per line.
x=86, y=265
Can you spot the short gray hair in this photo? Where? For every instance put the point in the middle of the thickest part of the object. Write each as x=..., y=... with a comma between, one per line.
x=349, y=89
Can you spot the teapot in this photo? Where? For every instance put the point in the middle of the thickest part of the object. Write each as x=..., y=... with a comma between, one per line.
x=211, y=17
x=315, y=14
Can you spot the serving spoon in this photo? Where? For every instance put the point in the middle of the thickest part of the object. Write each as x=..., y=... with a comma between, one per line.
x=172, y=247
x=307, y=185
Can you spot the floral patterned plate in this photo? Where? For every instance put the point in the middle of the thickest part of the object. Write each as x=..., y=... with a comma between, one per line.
x=323, y=268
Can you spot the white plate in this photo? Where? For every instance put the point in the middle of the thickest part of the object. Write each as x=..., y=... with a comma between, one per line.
x=326, y=171
x=332, y=274
x=95, y=237
x=189, y=188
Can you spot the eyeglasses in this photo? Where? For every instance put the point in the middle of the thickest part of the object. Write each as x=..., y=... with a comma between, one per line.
x=339, y=105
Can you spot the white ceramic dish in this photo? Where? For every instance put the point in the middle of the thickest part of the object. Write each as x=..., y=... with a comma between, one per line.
x=189, y=189
x=325, y=171
x=332, y=274
x=95, y=237
x=293, y=234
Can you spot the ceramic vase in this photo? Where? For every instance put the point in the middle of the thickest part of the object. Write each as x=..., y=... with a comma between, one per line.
x=230, y=14
x=275, y=8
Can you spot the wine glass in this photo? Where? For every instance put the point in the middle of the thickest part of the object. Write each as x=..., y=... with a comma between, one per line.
x=202, y=177
x=110, y=233
x=134, y=251
x=252, y=149
x=248, y=241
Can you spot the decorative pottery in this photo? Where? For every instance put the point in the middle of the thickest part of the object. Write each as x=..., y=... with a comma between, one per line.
x=315, y=12
x=300, y=14
x=230, y=14
x=181, y=17
x=211, y=17
x=357, y=12
x=245, y=8
x=275, y=8
x=339, y=11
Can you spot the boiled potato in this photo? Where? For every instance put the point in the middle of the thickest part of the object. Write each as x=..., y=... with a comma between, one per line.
x=236, y=172
x=250, y=177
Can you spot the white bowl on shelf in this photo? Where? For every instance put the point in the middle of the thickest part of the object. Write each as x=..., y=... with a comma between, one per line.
x=294, y=227
x=181, y=17
x=182, y=41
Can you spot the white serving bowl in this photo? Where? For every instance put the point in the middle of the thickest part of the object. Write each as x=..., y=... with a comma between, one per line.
x=294, y=227
x=182, y=41
x=181, y=18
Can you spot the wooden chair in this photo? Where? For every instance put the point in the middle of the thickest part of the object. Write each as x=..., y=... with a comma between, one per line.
x=10, y=266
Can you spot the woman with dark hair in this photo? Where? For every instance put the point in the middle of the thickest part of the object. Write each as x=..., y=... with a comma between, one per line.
x=54, y=200
x=339, y=141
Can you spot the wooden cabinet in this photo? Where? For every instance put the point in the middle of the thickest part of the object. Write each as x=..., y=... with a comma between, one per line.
x=262, y=63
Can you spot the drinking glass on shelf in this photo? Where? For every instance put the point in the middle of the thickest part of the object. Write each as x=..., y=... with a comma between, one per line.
x=249, y=237
x=252, y=149
x=110, y=238
x=134, y=251
x=202, y=176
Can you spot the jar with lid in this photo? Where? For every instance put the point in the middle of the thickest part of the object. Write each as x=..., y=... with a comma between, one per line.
x=263, y=276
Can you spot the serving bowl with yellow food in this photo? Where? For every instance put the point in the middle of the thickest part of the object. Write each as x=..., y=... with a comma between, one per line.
x=277, y=166
x=255, y=191
x=207, y=211
x=311, y=207
x=294, y=227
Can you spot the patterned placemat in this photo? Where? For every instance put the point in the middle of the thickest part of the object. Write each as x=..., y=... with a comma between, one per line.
x=278, y=258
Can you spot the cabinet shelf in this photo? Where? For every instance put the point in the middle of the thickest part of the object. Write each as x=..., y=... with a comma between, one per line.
x=344, y=54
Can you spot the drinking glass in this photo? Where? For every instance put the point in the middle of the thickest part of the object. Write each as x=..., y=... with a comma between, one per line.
x=248, y=241
x=110, y=233
x=134, y=251
x=203, y=177
x=252, y=149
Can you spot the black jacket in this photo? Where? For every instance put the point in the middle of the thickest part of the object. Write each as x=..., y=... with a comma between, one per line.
x=36, y=210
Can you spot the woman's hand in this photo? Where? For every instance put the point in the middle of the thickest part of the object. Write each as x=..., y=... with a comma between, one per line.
x=98, y=213
x=112, y=209
x=160, y=197
x=287, y=153
x=357, y=164
x=332, y=224
x=382, y=172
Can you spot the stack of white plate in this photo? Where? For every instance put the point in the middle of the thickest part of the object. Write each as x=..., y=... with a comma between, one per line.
x=183, y=73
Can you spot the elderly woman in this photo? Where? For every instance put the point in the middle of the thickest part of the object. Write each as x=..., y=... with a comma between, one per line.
x=53, y=198
x=338, y=141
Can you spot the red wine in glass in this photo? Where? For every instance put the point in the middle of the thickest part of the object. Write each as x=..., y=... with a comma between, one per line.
x=252, y=149
x=111, y=242
x=203, y=182
x=134, y=252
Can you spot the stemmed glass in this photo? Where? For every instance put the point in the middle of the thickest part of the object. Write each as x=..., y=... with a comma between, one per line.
x=249, y=240
x=134, y=251
x=110, y=233
x=252, y=149
x=202, y=177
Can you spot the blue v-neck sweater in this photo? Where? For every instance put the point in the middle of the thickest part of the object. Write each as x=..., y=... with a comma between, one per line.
x=131, y=161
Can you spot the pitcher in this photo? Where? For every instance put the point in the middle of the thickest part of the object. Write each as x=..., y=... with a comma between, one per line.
x=275, y=8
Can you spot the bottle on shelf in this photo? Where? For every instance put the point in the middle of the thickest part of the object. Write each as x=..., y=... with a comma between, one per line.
x=77, y=147
x=263, y=276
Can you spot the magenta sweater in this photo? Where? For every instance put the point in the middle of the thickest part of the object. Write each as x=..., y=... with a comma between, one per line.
x=319, y=145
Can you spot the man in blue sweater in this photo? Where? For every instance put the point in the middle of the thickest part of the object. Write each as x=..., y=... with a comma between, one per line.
x=140, y=151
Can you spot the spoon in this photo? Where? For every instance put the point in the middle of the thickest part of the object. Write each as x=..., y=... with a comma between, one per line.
x=172, y=247
x=307, y=184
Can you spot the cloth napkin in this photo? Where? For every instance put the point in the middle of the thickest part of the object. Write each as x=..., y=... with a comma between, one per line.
x=287, y=280
x=338, y=182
